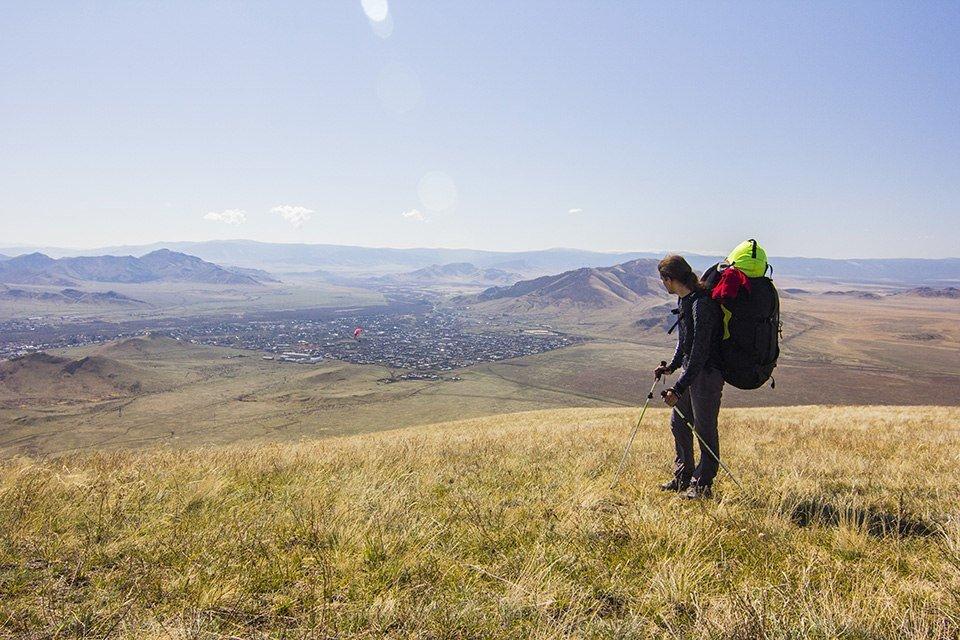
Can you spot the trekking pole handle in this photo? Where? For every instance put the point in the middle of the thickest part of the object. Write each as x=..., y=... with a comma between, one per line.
x=656, y=379
x=663, y=363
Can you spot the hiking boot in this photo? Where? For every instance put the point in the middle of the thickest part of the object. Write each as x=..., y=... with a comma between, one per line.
x=698, y=492
x=675, y=485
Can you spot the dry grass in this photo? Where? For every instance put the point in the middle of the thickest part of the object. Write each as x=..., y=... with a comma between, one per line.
x=498, y=527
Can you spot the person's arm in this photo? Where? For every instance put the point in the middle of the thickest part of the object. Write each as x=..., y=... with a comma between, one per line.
x=705, y=317
x=677, y=360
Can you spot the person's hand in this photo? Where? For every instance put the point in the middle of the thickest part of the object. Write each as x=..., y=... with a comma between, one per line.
x=671, y=398
x=662, y=370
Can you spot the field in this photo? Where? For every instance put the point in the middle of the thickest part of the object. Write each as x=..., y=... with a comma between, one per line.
x=896, y=351
x=181, y=299
x=849, y=527
x=207, y=395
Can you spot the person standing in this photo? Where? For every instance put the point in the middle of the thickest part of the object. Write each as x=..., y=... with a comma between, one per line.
x=697, y=391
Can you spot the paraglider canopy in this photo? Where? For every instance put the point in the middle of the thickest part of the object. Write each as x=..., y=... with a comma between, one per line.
x=357, y=332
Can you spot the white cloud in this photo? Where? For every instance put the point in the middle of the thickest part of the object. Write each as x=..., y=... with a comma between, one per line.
x=229, y=216
x=293, y=214
x=575, y=210
x=413, y=214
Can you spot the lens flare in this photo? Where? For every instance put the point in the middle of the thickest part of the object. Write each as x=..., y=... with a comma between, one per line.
x=383, y=28
x=376, y=10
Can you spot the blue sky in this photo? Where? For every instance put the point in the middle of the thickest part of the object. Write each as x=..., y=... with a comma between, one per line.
x=823, y=128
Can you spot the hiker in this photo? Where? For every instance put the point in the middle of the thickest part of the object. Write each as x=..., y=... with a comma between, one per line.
x=697, y=391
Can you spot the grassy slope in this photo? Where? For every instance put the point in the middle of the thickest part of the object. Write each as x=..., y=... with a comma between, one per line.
x=498, y=527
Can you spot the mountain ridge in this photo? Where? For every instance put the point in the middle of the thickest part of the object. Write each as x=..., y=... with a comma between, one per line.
x=292, y=257
x=162, y=265
x=454, y=273
x=68, y=296
x=627, y=283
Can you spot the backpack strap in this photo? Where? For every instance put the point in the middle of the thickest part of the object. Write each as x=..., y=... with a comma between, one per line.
x=677, y=313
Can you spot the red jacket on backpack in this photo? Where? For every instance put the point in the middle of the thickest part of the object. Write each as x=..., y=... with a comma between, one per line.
x=732, y=280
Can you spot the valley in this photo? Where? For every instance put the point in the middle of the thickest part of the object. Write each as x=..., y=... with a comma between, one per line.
x=202, y=370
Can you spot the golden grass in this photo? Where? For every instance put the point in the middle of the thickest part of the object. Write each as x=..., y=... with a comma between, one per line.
x=498, y=527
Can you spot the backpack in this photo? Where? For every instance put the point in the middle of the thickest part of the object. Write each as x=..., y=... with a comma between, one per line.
x=749, y=346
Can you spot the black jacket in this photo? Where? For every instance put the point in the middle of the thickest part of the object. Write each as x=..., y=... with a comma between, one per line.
x=698, y=344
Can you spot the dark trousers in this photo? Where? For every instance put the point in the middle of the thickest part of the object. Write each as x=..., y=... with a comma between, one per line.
x=701, y=406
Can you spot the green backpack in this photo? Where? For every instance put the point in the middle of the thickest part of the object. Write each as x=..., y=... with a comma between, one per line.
x=750, y=258
x=749, y=347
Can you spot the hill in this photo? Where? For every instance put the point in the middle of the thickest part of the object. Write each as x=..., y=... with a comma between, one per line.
x=44, y=378
x=860, y=295
x=172, y=266
x=503, y=527
x=83, y=378
x=68, y=296
x=159, y=266
x=257, y=274
x=930, y=292
x=33, y=268
x=453, y=273
x=157, y=347
x=587, y=288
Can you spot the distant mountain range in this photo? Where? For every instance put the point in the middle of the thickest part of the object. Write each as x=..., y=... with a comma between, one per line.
x=952, y=293
x=282, y=258
x=162, y=265
x=68, y=296
x=862, y=295
x=453, y=273
x=628, y=283
x=257, y=274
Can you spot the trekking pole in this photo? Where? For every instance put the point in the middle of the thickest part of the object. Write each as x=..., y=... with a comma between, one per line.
x=633, y=435
x=706, y=446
